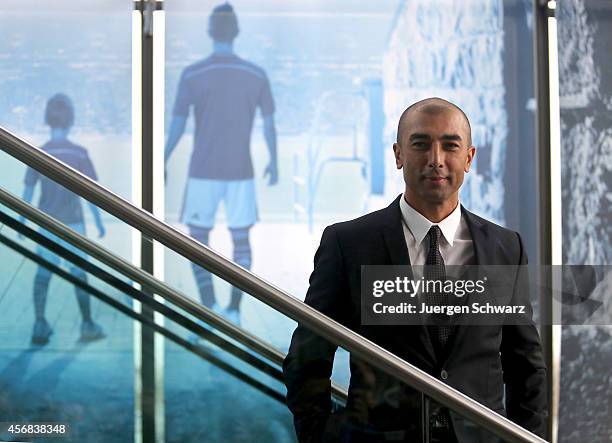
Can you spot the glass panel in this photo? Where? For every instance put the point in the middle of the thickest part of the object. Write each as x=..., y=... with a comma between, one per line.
x=585, y=87
x=211, y=377
x=338, y=93
x=381, y=408
x=262, y=321
x=464, y=428
x=81, y=50
x=254, y=316
x=68, y=208
x=55, y=365
x=300, y=65
x=204, y=402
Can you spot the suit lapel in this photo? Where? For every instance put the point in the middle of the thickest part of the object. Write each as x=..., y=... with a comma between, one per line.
x=483, y=246
x=393, y=233
x=395, y=242
x=483, y=254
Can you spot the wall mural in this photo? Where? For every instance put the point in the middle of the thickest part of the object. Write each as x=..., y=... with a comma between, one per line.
x=586, y=142
x=455, y=52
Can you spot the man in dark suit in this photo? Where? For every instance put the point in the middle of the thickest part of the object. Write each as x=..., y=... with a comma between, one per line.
x=500, y=366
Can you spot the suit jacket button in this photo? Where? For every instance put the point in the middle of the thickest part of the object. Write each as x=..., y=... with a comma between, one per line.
x=443, y=375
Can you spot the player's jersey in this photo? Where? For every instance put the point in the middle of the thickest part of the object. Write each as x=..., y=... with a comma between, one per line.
x=55, y=200
x=224, y=91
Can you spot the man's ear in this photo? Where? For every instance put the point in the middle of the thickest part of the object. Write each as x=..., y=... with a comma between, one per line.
x=397, y=153
x=470, y=158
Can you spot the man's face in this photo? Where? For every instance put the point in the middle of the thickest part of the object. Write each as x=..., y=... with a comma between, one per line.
x=434, y=151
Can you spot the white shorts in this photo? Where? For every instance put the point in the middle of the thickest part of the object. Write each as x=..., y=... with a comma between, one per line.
x=202, y=197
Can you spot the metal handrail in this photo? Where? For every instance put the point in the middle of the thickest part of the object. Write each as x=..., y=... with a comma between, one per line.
x=264, y=291
x=145, y=279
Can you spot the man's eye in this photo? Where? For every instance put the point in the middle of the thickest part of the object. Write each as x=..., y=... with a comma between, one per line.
x=451, y=147
x=419, y=145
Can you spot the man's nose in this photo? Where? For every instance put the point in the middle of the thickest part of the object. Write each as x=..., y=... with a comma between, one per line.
x=436, y=156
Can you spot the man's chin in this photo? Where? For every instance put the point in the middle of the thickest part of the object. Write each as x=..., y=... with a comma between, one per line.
x=436, y=198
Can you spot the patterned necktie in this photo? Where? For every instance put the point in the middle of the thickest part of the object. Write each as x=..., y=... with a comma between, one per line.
x=435, y=270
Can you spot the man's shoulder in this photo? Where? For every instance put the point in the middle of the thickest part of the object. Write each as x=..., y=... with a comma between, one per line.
x=214, y=62
x=365, y=225
x=197, y=66
x=495, y=230
x=250, y=67
x=66, y=147
x=497, y=240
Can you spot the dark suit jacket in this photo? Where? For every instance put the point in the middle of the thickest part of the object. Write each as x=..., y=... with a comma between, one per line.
x=482, y=360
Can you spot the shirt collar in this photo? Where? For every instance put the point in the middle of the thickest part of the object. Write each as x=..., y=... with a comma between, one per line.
x=419, y=225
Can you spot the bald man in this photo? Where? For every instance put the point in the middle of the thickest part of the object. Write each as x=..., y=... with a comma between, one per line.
x=501, y=366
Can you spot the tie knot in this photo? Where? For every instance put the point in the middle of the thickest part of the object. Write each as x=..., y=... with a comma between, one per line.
x=434, y=257
x=434, y=234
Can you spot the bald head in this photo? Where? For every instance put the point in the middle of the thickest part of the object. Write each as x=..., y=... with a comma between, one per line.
x=434, y=151
x=432, y=106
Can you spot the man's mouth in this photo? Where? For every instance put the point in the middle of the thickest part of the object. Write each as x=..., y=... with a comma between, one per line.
x=435, y=179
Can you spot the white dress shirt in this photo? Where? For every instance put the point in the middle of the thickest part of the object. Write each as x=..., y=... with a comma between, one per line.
x=456, y=245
